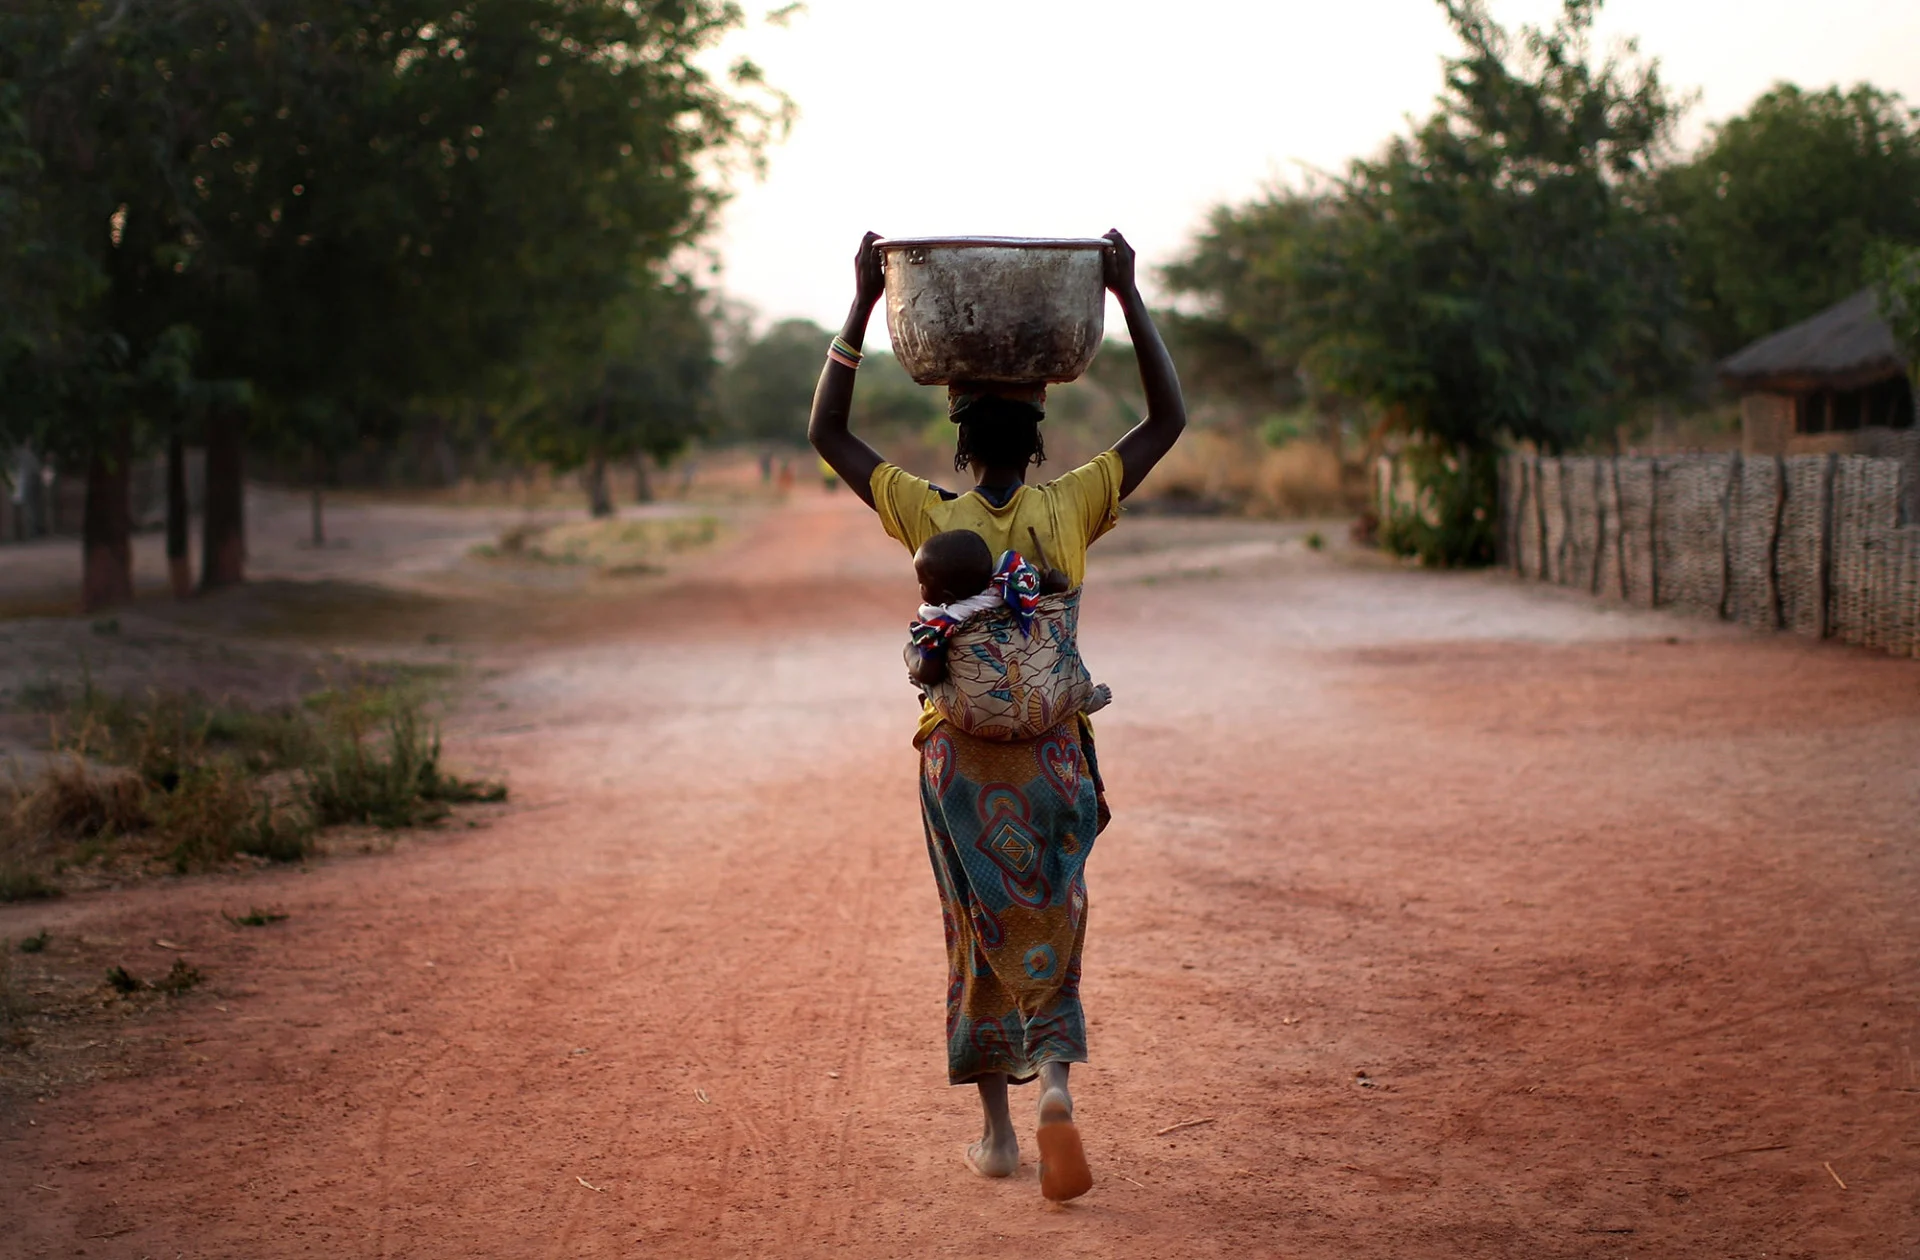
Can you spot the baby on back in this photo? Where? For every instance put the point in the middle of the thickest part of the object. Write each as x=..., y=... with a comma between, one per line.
x=973, y=607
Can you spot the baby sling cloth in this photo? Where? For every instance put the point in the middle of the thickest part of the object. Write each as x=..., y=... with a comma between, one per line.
x=1013, y=657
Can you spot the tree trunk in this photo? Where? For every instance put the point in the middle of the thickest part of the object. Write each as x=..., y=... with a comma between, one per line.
x=642, y=481
x=599, y=502
x=317, y=510
x=106, y=534
x=223, y=537
x=179, y=567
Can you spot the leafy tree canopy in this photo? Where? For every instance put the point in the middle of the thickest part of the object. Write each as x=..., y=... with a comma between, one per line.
x=1779, y=207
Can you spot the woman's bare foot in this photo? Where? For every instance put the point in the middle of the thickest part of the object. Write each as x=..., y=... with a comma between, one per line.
x=997, y=1153
x=994, y=1155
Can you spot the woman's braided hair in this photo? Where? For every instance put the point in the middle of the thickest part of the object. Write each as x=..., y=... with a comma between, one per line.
x=999, y=433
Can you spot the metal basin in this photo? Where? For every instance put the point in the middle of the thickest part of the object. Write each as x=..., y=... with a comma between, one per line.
x=994, y=308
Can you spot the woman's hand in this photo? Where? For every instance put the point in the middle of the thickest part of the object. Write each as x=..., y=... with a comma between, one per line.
x=1117, y=264
x=869, y=271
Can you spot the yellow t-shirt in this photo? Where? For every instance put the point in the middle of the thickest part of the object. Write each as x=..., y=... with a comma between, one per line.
x=1068, y=513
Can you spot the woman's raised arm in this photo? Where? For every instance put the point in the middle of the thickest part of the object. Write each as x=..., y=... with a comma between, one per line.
x=827, y=427
x=1145, y=443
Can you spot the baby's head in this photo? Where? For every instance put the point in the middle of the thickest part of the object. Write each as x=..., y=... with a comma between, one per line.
x=952, y=566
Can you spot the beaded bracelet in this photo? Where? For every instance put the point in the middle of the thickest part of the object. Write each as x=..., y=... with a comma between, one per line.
x=842, y=353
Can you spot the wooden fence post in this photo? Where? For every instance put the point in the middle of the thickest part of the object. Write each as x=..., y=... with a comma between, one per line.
x=1619, y=527
x=1540, y=515
x=1599, y=529
x=1775, y=600
x=1653, y=532
x=1727, y=493
x=1823, y=583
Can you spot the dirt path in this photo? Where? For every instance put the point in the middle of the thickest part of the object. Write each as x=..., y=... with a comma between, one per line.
x=1473, y=920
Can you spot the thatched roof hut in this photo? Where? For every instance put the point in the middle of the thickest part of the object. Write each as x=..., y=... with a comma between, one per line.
x=1840, y=372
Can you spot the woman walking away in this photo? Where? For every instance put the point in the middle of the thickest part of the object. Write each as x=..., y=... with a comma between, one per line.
x=1009, y=825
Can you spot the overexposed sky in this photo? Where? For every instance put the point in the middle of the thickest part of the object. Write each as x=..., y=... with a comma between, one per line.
x=1067, y=117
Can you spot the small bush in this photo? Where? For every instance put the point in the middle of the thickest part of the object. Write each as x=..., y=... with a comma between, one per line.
x=35, y=944
x=255, y=917
x=203, y=818
x=390, y=779
x=123, y=981
x=373, y=780
x=278, y=833
x=1451, y=518
x=74, y=802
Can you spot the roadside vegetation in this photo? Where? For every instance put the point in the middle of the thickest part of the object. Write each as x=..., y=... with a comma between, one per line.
x=140, y=785
x=613, y=548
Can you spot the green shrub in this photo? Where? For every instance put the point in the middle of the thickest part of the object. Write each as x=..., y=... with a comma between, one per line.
x=1452, y=519
x=383, y=781
x=205, y=815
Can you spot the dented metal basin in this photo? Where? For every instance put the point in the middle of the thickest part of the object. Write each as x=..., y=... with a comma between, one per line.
x=994, y=308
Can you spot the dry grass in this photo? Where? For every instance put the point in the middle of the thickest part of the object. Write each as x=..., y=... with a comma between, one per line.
x=171, y=781
x=611, y=547
x=1222, y=470
x=72, y=801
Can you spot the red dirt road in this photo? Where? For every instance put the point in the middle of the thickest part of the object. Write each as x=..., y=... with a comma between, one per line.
x=1621, y=932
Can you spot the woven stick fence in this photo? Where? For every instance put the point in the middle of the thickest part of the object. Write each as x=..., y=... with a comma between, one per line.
x=1817, y=544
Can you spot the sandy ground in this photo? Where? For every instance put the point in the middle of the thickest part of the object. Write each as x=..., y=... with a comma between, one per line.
x=1467, y=919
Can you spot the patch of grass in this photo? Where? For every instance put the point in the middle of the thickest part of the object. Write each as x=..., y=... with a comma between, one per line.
x=203, y=816
x=199, y=783
x=1315, y=541
x=123, y=982
x=389, y=780
x=160, y=736
x=614, y=547
x=254, y=917
x=388, y=776
x=35, y=944
x=73, y=801
x=19, y=882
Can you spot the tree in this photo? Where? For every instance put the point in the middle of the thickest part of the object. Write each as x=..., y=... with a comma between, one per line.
x=365, y=209
x=1778, y=208
x=1895, y=272
x=1500, y=274
x=637, y=388
x=767, y=384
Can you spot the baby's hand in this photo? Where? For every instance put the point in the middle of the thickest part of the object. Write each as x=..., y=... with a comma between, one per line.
x=923, y=668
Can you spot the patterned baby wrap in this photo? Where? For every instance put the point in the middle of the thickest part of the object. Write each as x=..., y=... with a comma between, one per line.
x=1006, y=681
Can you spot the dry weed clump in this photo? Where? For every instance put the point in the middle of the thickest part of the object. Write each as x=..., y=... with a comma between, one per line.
x=73, y=801
x=614, y=548
x=175, y=781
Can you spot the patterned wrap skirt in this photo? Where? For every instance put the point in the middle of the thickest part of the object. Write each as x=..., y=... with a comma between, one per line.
x=1009, y=826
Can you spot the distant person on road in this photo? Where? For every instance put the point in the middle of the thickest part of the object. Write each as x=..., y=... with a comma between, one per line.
x=1009, y=824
